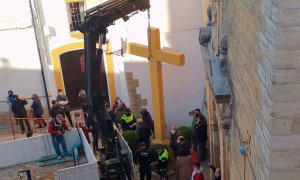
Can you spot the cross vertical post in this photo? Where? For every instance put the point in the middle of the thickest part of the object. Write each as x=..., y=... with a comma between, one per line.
x=156, y=56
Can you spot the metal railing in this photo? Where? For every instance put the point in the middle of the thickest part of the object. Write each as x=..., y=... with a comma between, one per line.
x=126, y=147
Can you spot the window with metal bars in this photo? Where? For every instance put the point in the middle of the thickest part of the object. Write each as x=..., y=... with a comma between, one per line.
x=75, y=10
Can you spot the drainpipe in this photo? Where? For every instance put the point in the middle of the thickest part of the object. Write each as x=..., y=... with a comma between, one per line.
x=35, y=27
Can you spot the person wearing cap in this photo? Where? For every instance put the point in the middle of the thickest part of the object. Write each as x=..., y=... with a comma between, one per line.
x=18, y=108
x=10, y=101
x=128, y=121
x=144, y=157
x=57, y=128
x=56, y=109
x=62, y=100
x=162, y=161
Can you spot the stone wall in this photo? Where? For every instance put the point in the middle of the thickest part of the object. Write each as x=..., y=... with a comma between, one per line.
x=285, y=127
x=263, y=53
x=249, y=71
x=264, y=44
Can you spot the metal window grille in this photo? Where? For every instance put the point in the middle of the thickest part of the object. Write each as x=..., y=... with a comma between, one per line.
x=76, y=10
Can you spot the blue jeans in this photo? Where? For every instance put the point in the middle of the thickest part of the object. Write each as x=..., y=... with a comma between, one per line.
x=56, y=140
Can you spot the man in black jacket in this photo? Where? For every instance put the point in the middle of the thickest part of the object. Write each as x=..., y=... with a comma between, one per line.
x=18, y=108
x=56, y=109
x=200, y=129
x=145, y=158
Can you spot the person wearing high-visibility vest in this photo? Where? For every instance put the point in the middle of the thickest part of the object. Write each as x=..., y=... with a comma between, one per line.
x=128, y=121
x=162, y=162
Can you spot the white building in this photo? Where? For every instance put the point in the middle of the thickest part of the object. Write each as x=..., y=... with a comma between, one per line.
x=50, y=45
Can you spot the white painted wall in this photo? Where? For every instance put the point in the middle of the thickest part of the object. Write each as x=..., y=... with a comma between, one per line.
x=179, y=23
x=20, y=68
x=31, y=149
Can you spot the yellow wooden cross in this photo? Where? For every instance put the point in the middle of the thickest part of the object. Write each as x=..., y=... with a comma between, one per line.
x=158, y=56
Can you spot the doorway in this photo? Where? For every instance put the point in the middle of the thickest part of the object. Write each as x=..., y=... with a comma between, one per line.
x=74, y=76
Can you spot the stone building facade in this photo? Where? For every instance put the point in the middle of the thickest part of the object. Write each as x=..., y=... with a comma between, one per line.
x=254, y=132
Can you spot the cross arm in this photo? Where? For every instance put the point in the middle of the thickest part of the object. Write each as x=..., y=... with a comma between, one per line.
x=161, y=55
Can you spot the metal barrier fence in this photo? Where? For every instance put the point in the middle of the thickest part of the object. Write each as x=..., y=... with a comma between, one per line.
x=125, y=146
x=6, y=124
x=10, y=126
x=37, y=125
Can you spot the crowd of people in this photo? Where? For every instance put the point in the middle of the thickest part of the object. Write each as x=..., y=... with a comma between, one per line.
x=189, y=154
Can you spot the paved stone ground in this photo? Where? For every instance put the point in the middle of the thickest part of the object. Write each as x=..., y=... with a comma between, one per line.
x=173, y=174
x=37, y=173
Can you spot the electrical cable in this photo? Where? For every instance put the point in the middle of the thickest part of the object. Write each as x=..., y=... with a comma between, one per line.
x=232, y=108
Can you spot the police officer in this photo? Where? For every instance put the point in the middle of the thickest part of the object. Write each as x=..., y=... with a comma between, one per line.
x=128, y=121
x=162, y=162
x=145, y=158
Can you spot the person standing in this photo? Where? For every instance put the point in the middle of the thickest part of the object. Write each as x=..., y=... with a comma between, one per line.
x=117, y=102
x=196, y=116
x=62, y=99
x=200, y=129
x=92, y=125
x=128, y=121
x=109, y=112
x=184, y=159
x=38, y=110
x=173, y=142
x=10, y=101
x=56, y=109
x=83, y=104
x=119, y=112
x=18, y=108
x=144, y=157
x=57, y=128
x=146, y=116
x=143, y=132
x=162, y=162
x=85, y=130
